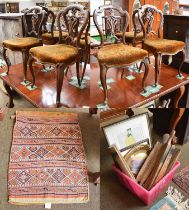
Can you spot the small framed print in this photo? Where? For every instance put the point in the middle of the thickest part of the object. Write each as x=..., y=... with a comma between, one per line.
x=129, y=133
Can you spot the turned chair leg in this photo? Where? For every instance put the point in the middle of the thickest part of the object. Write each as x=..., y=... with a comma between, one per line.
x=25, y=56
x=182, y=62
x=6, y=60
x=146, y=65
x=77, y=71
x=60, y=77
x=157, y=66
x=30, y=62
x=103, y=71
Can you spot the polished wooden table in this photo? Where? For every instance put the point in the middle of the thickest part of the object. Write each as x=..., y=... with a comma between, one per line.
x=123, y=93
x=45, y=94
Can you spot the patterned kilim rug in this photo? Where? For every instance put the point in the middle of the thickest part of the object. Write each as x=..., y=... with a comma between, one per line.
x=182, y=179
x=47, y=160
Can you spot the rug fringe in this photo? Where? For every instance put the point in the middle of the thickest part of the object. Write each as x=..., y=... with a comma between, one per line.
x=178, y=198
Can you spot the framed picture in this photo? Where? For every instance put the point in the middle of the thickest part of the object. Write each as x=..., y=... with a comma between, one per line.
x=129, y=133
x=136, y=156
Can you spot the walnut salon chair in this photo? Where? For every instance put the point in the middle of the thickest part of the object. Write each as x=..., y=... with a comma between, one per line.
x=52, y=37
x=135, y=36
x=75, y=18
x=152, y=41
x=118, y=54
x=33, y=20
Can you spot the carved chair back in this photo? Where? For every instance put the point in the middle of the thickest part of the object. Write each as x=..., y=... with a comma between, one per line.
x=137, y=28
x=136, y=23
x=114, y=19
x=87, y=32
x=49, y=18
x=34, y=19
x=74, y=19
x=148, y=16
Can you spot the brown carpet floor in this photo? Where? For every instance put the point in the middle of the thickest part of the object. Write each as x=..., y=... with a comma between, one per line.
x=90, y=131
x=114, y=196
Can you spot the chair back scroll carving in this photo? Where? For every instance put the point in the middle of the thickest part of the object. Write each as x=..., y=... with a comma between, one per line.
x=146, y=15
x=115, y=20
x=33, y=20
x=137, y=28
x=49, y=17
x=74, y=20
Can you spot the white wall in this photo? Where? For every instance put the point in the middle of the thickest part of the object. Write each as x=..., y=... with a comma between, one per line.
x=184, y=1
x=28, y=4
x=93, y=5
x=24, y=3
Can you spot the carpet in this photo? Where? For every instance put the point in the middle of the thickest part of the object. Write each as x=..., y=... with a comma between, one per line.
x=164, y=204
x=47, y=160
x=182, y=179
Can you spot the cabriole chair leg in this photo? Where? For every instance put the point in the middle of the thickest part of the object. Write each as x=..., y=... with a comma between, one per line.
x=30, y=62
x=182, y=62
x=77, y=71
x=146, y=65
x=103, y=71
x=6, y=59
x=157, y=62
x=25, y=56
x=60, y=77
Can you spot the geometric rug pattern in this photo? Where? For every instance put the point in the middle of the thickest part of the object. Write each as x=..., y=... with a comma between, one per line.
x=182, y=179
x=47, y=159
x=173, y=201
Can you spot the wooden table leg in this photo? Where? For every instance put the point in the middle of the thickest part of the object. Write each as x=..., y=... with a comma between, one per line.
x=10, y=104
x=93, y=111
x=178, y=96
x=177, y=114
x=96, y=178
x=129, y=112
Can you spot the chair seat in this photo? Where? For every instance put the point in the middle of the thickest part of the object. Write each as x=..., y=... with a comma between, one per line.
x=18, y=44
x=120, y=54
x=129, y=36
x=164, y=46
x=59, y=53
x=47, y=36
